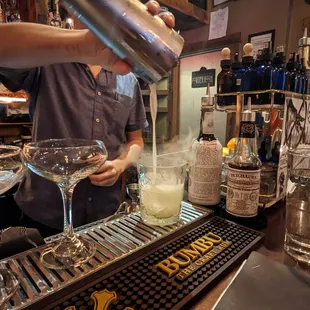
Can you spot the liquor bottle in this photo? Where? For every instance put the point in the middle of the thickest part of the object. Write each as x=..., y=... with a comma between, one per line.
x=249, y=79
x=280, y=75
x=243, y=180
x=267, y=79
x=304, y=47
x=291, y=67
x=304, y=78
x=206, y=160
x=225, y=79
x=238, y=72
x=298, y=87
x=259, y=67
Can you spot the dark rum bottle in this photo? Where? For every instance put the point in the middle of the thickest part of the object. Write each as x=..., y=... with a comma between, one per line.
x=243, y=180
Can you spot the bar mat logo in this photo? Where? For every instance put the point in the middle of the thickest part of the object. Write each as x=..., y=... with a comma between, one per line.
x=102, y=300
x=188, y=260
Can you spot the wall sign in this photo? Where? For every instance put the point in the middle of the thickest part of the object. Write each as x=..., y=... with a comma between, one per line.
x=260, y=39
x=203, y=77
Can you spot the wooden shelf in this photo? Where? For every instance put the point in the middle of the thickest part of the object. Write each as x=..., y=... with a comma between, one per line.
x=159, y=110
x=159, y=92
x=187, y=15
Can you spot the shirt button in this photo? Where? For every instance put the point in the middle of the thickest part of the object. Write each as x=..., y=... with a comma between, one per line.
x=99, y=93
x=90, y=199
x=97, y=120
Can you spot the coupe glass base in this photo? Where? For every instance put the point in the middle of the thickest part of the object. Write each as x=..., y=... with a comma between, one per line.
x=70, y=252
x=8, y=286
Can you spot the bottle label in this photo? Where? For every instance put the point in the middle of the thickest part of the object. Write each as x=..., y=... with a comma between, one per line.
x=247, y=130
x=238, y=82
x=243, y=192
x=208, y=123
x=205, y=173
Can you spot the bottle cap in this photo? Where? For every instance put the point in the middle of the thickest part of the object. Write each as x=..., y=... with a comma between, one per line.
x=226, y=61
x=305, y=40
x=237, y=63
x=248, y=115
x=292, y=64
x=259, y=58
x=248, y=53
x=267, y=51
x=207, y=100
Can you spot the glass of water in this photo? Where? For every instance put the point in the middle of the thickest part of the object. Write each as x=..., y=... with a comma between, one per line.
x=297, y=233
x=161, y=195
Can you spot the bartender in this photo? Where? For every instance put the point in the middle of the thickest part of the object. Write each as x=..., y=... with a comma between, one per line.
x=78, y=89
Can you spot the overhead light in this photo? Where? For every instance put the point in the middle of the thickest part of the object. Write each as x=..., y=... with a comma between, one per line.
x=11, y=99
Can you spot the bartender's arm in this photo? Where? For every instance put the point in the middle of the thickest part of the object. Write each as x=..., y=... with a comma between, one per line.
x=37, y=45
x=110, y=172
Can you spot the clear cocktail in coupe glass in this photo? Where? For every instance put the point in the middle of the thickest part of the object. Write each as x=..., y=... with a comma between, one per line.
x=11, y=172
x=66, y=162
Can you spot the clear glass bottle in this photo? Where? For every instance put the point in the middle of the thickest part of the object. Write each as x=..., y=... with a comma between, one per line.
x=206, y=161
x=244, y=169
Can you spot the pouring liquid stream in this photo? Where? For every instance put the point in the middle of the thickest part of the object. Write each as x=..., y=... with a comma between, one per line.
x=153, y=107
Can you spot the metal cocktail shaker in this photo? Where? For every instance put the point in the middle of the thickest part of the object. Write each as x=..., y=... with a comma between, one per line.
x=130, y=31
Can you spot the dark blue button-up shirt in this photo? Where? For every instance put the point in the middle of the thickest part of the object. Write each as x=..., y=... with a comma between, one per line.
x=66, y=101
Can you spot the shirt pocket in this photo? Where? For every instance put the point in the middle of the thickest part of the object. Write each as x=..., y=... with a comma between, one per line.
x=122, y=110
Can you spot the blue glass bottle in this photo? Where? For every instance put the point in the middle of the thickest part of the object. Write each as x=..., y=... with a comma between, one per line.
x=249, y=78
x=238, y=72
x=225, y=80
x=280, y=75
x=267, y=76
x=260, y=68
x=298, y=88
x=303, y=78
x=291, y=68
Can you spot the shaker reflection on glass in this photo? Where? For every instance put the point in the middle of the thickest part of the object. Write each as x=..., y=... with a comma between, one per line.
x=11, y=172
x=297, y=232
x=66, y=162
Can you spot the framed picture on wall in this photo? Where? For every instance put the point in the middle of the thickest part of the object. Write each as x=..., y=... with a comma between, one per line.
x=218, y=2
x=260, y=39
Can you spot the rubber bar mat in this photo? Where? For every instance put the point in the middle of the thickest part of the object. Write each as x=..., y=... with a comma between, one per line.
x=171, y=275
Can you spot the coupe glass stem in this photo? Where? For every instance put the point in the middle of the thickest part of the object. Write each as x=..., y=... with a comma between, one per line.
x=67, y=193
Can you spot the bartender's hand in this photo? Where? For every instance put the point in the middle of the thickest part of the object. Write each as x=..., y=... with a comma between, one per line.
x=105, y=57
x=109, y=173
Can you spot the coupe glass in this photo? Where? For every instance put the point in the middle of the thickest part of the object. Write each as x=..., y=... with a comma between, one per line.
x=66, y=162
x=11, y=172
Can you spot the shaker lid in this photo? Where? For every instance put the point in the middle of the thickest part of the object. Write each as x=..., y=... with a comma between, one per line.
x=207, y=100
x=305, y=40
x=248, y=115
